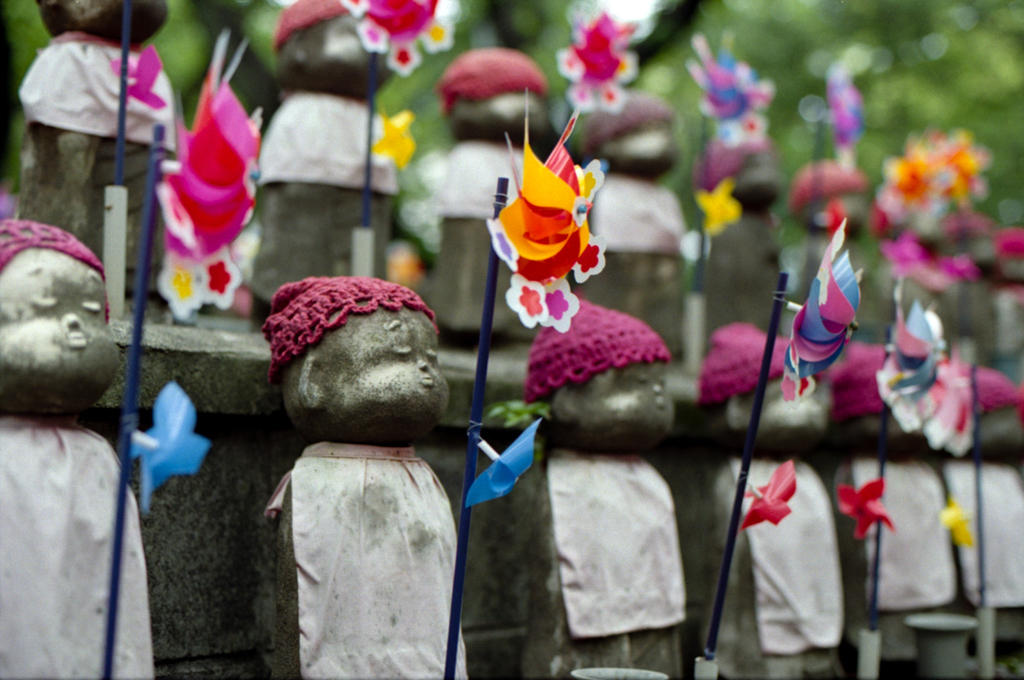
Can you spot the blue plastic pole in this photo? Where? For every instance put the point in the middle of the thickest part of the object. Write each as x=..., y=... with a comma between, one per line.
x=130, y=403
x=371, y=107
x=476, y=417
x=883, y=444
x=748, y=455
x=122, y=97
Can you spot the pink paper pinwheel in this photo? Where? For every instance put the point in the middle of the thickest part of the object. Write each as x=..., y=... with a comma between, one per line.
x=823, y=324
x=771, y=501
x=142, y=74
x=733, y=95
x=846, y=107
x=598, y=63
x=864, y=505
x=910, y=259
x=208, y=195
x=395, y=26
x=951, y=426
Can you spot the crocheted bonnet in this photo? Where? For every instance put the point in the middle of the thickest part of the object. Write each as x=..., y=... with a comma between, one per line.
x=303, y=14
x=485, y=73
x=824, y=179
x=597, y=340
x=638, y=110
x=854, y=386
x=19, y=235
x=733, y=363
x=303, y=311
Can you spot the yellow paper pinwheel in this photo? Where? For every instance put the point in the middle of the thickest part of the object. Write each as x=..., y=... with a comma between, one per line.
x=956, y=520
x=720, y=208
x=396, y=142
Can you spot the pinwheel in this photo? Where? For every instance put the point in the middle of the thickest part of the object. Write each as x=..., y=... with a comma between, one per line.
x=498, y=480
x=824, y=323
x=598, y=63
x=864, y=505
x=543, y=235
x=395, y=26
x=771, y=501
x=733, y=95
x=846, y=107
x=395, y=141
x=171, y=446
x=208, y=195
x=142, y=74
x=719, y=206
x=956, y=520
x=951, y=426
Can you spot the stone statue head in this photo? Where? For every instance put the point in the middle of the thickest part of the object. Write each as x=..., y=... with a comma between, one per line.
x=103, y=17
x=638, y=140
x=319, y=50
x=753, y=165
x=1002, y=415
x=485, y=94
x=56, y=353
x=357, y=360
x=727, y=385
x=827, y=185
x=605, y=379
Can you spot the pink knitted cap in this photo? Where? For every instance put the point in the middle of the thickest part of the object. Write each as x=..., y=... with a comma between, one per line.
x=1009, y=243
x=995, y=390
x=721, y=161
x=303, y=311
x=854, y=386
x=303, y=14
x=485, y=73
x=640, y=108
x=597, y=340
x=733, y=363
x=823, y=180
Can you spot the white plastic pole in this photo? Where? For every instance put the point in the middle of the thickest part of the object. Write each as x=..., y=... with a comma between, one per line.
x=115, y=246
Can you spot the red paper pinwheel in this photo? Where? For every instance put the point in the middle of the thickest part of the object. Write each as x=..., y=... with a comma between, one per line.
x=864, y=505
x=771, y=500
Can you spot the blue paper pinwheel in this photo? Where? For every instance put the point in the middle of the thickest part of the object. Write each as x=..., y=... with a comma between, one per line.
x=171, y=446
x=498, y=480
x=918, y=350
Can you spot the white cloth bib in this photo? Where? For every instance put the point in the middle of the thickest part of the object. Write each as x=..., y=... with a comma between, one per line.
x=320, y=138
x=636, y=215
x=57, y=504
x=375, y=553
x=617, y=542
x=796, y=567
x=471, y=178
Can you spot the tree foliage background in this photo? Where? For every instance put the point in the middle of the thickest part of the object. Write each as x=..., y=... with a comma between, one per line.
x=919, y=63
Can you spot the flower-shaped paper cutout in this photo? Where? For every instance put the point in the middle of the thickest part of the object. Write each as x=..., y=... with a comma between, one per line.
x=598, y=63
x=864, y=505
x=911, y=259
x=171, y=446
x=956, y=520
x=771, y=502
x=396, y=142
x=822, y=327
x=719, y=206
x=396, y=26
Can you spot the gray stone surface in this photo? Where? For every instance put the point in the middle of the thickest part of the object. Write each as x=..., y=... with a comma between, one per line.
x=103, y=17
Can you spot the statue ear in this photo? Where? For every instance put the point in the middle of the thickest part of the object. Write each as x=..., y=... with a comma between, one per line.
x=311, y=394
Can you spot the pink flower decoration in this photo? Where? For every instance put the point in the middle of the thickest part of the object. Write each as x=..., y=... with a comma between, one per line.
x=397, y=25
x=143, y=71
x=960, y=267
x=598, y=63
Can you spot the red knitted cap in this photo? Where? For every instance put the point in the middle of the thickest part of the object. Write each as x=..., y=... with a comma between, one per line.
x=721, y=161
x=303, y=14
x=303, y=311
x=995, y=390
x=597, y=340
x=639, y=109
x=485, y=73
x=824, y=179
x=733, y=363
x=1009, y=243
x=854, y=386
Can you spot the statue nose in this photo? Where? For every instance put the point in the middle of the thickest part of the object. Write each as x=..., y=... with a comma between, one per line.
x=73, y=330
x=71, y=322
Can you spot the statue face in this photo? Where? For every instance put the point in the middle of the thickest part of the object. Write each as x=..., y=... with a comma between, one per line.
x=649, y=151
x=56, y=352
x=103, y=17
x=795, y=426
x=490, y=119
x=328, y=57
x=374, y=380
x=759, y=181
x=622, y=410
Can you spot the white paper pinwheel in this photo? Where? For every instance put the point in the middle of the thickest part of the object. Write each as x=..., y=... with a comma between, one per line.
x=171, y=446
x=498, y=480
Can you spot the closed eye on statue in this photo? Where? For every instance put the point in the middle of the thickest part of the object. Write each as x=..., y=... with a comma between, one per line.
x=43, y=301
x=92, y=306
